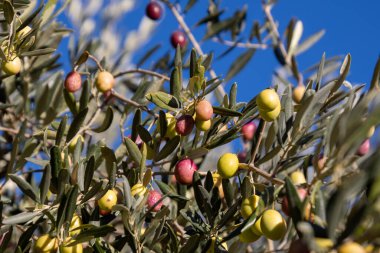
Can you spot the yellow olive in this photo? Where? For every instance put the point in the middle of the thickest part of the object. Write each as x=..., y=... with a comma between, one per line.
x=256, y=228
x=323, y=243
x=75, y=223
x=298, y=177
x=77, y=248
x=203, y=125
x=108, y=200
x=104, y=81
x=170, y=131
x=249, y=205
x=46, y=244
x=371, y=132
x=268, y=100
x=138, y=189
x=270, y=116
x=273, y=225
x=204, y=110
x=228, y=165
x=351, y=247
x=298, y=93
x=12, y=67
x=248, y=236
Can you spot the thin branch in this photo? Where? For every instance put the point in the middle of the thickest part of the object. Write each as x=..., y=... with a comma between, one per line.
x=262, y=173
x=133, y=103
x=96, y=61
x=220, y=92
x=143, y=71
x=240, y=44
x=8, y=130
x=256, y=149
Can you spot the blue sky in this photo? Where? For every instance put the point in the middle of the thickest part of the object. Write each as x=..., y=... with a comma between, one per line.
x=351, y=27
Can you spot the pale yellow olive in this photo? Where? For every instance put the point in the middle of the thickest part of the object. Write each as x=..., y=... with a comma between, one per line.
x=12, y=67
x=104, y=81
x=351, y=247
x=203, y=125
x=46, y=244
x=228, y=165
x=75, y=223
x=273, y=225
x=248, y=236
x=108, y=200
x=249, y=205
x=270, y=116
x=268, y=100
x=298, y=177
x=298, y=93
x=138, y=189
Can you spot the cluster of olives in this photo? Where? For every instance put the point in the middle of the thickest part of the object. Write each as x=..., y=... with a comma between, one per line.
x=104, y=81
x=269, y=104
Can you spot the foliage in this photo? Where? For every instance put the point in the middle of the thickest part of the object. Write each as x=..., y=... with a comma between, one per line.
x=49, y=174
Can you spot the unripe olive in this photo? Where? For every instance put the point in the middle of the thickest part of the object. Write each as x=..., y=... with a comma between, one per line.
x=298, y=93
x=302, y=193
x=75, y=223
x=77, y=248
x=256, y=227
x=268, y=100
x=104, y=81
x=273, y=225
x=12, y=67
x=270, y=116
x=351, y=247
x=184, y=125
x=248, y=236
x=298, y=246
x=324, y=243
x=154, y=10
x=73, y=82
x=108, y=200
x=153, y=198
x=228, y=165
x=249, y=205
x=204, y=110
x=178, y=38
x=203, y=125
x=24, y=31
x=248, y=131
x=138, y=189
x=46, y=244
x=298, y=177
x=371, y=131
x=184, y=171
x=364, y=148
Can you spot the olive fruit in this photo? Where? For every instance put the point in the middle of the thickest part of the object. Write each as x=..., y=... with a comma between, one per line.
x=371, y=131
x=138, y=189
x=104, y=81
x=249, y=205
x=75, y=223
x=298, y=93
x=248, y=131
x=228, y=165
x=323, y=243
x=108, y=200
x=184, y=171
x=268, y=100
x=302, y=193
x=171, y=123
x=73, y=82
x=24, y=31
x=77, y=248
x=204, y=110
x=178, y=38
x=203, y=125
x=248, y=236
x=45, y=244
x=184, y=125
x=298, y=177
x=270, y=116
x=364, y=148
x=12, y=67
x=273, y=225
x=351, y=247
x=153, y=10
x=256, y=227
x=153, y=198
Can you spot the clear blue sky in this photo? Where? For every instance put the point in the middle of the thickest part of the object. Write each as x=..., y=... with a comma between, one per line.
x=351, y=27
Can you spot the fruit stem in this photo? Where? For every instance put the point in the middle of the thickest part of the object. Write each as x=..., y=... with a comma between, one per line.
x=262, y=173
x=96, y=61
x=256, y=149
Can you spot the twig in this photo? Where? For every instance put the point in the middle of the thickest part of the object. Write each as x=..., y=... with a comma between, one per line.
x=9, y=130
x=256, y=149
x=133, y=103
x=143, y=71
x=96, y=61
x=220, y=92
x=162, y=173
x=240, y=44
x=262, y=173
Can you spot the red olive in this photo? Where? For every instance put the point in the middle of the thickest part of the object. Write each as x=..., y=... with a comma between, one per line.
x=154, y=10
x=73, y=81
x=178, y=38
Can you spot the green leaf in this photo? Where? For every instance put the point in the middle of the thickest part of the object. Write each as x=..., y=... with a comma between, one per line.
x=246, y=188
x=190, y=3
x=7, y=236
x=45, y=183
x=226, y=112
x=376, y=76
x=38, y=52
x=191, y=244
x=175, y=83
x=9, y=11
x=163, y=100
x=82, y=58
x=320, y=72
x=89, y=173
x=228, y=191
x=309, y=42
x=169, y=147
x=61, y=131
x=133, y=151
x=240, y=62
x=91, y=233
x=232, y=98
x=295, y=204
x=135, y=123
x=71, y=205
x=345, y=68
x=85, y=95
x=24, y=186
x=70, y=101
x=193, y=62
x=20, y=218
x=144, y=134
x=163, y=123
x=76, y=124
x=167, y=190
x=106, y=122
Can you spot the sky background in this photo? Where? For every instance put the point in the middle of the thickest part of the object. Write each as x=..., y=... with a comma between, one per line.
x=351, y=27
